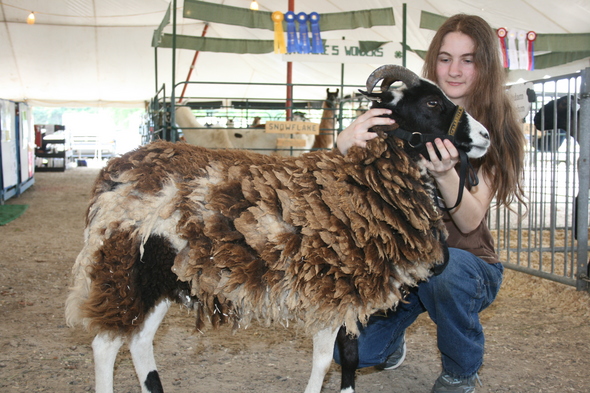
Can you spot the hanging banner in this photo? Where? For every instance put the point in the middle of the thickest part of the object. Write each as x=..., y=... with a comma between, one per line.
x=348, y=51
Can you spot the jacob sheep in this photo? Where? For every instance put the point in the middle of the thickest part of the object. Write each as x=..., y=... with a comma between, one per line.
x=324, y=240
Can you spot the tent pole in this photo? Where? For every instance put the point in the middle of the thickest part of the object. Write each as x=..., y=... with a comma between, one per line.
x=289, y=105
x=172, y=136
x=404, y=27
x=156, y=66
x=192, y=67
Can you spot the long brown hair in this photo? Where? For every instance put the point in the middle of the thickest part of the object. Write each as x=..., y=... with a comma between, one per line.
x=488, y=103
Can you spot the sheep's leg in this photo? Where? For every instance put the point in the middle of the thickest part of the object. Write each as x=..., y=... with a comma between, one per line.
x=142, y=349
x=349, y=359
x=323, y=351
x=105, y=348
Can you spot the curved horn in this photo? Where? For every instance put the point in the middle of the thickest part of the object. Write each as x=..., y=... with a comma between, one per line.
x=391, y=73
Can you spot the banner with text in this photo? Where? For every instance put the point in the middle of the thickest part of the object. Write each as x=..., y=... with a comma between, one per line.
x=348, y=51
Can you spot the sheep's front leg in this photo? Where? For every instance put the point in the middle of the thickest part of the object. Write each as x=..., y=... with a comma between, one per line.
x=323, y=351
x=105, y=349
x=142, y=349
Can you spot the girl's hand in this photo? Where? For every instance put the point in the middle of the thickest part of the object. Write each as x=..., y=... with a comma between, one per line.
x=357, y=133
x=449, y=157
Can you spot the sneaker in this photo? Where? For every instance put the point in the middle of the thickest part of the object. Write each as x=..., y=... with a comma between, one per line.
x=396, y=358
x=448, y=384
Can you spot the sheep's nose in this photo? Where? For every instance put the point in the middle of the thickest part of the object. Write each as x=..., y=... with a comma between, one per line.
x=485, y=135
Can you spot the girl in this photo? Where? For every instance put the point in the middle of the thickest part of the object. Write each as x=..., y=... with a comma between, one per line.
x=463, y=58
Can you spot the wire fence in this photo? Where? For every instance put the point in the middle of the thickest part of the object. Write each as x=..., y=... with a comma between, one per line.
x=549, y=236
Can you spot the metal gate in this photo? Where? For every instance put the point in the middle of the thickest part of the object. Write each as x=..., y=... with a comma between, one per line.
x=549, y=237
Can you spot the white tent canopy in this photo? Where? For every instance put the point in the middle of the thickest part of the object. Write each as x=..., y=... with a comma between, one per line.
x=99, y=52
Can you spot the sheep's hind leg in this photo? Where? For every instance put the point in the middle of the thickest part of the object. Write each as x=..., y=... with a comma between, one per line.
x=142, y=349
x=323, y=351
x=349, y=359
x=105, y=348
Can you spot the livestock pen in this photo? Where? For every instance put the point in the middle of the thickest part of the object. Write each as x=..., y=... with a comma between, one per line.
x=332, y=114
x=549, y=237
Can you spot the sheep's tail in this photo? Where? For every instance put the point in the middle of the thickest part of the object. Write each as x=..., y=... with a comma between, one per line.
x=79, y=289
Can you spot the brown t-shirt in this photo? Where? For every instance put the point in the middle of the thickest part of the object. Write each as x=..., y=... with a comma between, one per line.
x=478, y=242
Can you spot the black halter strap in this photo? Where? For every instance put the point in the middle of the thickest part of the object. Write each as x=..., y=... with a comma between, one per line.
x=418, y=141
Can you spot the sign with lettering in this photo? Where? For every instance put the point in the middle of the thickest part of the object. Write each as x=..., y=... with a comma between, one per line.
x=292, y=127
x=347, y=51
x=521, y=96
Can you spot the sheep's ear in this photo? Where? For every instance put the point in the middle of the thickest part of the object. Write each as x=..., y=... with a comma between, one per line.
x=371, y=96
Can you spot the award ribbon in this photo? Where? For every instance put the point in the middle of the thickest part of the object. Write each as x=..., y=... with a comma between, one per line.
x=523, y=56
x=292, y=44
x=531, y=37
x=502, y=36
x=317, y=45
x=512, y=50
x=277, y=18
x=303, y=33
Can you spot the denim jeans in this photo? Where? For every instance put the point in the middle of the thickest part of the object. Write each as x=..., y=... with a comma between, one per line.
x=453, y=300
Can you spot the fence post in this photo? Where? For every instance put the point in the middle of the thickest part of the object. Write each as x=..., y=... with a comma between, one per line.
x=582, y=277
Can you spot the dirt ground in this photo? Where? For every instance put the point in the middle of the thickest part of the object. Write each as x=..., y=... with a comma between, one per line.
x=538, y=332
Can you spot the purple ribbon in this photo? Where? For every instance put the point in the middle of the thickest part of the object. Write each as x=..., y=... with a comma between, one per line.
x=317, y=45
x=292, y=44
x=303, y=33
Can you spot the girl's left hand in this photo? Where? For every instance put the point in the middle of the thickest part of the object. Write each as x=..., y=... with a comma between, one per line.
x=449, y=157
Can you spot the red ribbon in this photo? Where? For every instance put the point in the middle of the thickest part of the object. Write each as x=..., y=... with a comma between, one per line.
x=502, y=32
x=531, y=37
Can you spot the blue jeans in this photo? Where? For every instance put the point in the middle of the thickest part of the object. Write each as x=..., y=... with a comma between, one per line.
x=453, y=301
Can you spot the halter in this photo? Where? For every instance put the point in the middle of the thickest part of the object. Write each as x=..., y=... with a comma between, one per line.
x=417, y=141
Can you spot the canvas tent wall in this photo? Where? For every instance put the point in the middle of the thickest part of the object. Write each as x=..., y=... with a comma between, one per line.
x=98, y=52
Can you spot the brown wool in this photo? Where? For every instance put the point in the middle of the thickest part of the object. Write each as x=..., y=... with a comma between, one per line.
x=324, y=239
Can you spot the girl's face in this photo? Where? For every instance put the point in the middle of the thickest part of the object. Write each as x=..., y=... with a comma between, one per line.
x=455, y=69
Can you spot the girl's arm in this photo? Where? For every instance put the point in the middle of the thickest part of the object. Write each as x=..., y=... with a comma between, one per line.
x=475, y=203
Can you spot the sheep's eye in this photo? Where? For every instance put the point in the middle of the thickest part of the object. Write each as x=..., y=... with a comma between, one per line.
x=432, y=103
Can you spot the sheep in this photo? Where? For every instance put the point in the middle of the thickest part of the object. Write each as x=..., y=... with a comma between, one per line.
x=323, y=240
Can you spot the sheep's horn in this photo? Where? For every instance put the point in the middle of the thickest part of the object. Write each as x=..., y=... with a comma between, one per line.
x=391, y=73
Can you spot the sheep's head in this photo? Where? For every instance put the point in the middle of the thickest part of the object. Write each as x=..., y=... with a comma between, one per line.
x=421, y=107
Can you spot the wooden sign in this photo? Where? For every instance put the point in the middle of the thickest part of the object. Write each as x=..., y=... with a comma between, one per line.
x=292, y=127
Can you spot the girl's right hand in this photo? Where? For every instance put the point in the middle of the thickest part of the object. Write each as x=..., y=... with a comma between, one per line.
x=357, y=133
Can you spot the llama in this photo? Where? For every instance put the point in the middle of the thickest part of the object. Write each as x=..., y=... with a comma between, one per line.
x=325, y=139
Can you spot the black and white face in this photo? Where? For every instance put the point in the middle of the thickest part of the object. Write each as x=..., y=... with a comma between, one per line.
x=479, y=139
x=425, y=109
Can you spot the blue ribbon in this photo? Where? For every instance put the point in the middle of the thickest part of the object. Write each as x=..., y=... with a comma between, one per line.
x=317, y=45
x=292, y=44
x=303, y=33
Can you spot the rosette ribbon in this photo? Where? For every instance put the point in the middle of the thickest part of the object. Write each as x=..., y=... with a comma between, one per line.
x=523, y=55
x=277, y=18
x=512, y=50
x=303, y=33
x=292, y=44
x=317, y=45
x=531, y=37
x=502, y=36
